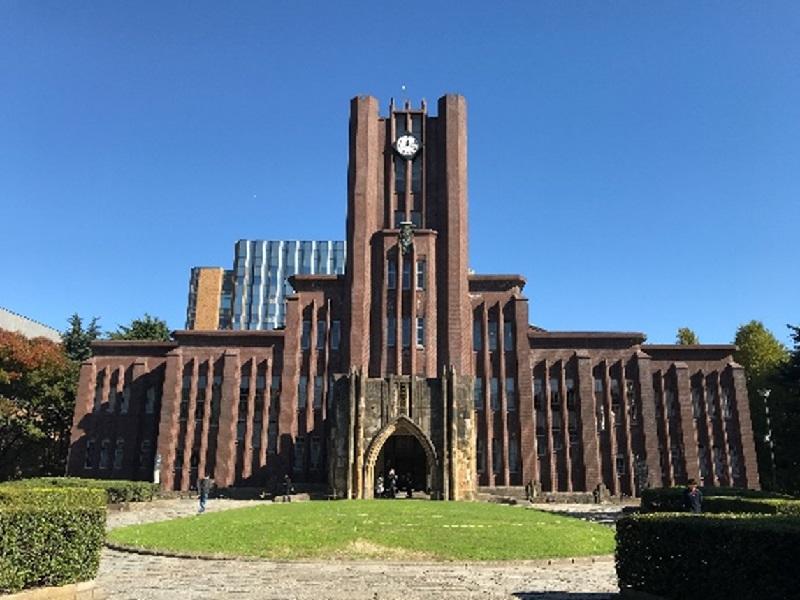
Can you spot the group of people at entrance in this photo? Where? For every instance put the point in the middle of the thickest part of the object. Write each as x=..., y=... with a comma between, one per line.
x=393, y=485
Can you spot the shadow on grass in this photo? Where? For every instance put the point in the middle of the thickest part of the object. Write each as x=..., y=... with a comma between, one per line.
x=564, y=596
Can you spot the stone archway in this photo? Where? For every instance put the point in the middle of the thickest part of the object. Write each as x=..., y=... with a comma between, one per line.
x=400, y=426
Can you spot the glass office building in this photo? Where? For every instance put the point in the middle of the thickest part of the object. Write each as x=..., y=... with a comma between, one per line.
x=260, y=277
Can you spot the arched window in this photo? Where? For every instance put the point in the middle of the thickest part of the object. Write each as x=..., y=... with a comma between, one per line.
x=105, y=457
x=118, y=454
x=89, y=460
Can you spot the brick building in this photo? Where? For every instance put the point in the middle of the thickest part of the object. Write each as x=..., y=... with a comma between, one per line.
x=409, y=361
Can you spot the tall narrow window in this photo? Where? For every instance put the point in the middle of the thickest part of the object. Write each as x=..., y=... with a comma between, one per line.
x=481, y=455
x=98, y=391
x=318, y=391
x=391, y=274
x=513, y=453
x=315, y=451
x=421, y=264
x=511, y=394
x=494, y=393
x=538, y=392
x=302, y=392
x=420, y=331
x=478, y=393
x=572, y=397
x=336, y=334
x=88, y=462
x=391, y=331
x=492, y=335
x=322, y=330
x=305, y=340
x=406, y=332
x=125, y=400
x=508, y=336
x=477, y=335
x=555, y=394
x=105, y=454
x=497, y=456
x=150, y=401
x=119, y=452
x=299, y=453
x=406, y=274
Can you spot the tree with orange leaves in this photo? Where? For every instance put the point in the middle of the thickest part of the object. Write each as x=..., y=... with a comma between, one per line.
x=37, y=398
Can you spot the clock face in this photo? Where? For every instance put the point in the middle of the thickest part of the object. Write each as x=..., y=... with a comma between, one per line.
x=407, y=145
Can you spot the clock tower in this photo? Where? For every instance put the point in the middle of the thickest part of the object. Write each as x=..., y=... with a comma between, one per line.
x=408, y=310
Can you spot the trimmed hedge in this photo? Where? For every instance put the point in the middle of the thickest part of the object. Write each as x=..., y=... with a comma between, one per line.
x=117, y=490
x=49, y=537
x=710, y=557
x=721, y=500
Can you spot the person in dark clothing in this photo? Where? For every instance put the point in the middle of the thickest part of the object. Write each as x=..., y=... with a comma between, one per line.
x=203, y=490
x=391, y=480
x=693, y=498
x=288, y=490
x=409, y=486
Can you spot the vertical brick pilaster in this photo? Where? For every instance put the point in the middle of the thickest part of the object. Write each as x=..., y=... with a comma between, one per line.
x=649, y=423
x=453, y=234
x=501, y=354
x=688, y=429
x=168, y=426
x=83, y=420
x=188, y=441
x=552, y=484
x=247, y=442
x=589, y=436
x=562, y=382
x=742, y=411
x=612, y=427
x=204, y=425
x=225, y=470
x=139, y=431
x=488, y=413
x=527, y=438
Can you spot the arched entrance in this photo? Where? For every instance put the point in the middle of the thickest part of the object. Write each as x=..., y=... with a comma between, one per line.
x=405, y=455
x=401, y=445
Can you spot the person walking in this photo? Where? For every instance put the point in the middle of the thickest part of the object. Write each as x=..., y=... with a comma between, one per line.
x=391, y=480
x=203, y=490
x=693, y=498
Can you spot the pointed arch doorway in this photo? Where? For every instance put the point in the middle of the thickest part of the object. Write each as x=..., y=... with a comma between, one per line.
x=401, y=445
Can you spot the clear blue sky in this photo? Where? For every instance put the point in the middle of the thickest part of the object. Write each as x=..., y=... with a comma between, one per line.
x=638, y=162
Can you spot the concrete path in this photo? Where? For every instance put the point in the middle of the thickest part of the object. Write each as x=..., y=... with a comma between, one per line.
x=126, y=576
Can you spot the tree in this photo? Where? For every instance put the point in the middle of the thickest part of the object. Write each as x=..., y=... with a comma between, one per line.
x=762, y=356
x=786, y=420
x=146, y=328
x=37, y=383
x=686, y=337
x=77, y=341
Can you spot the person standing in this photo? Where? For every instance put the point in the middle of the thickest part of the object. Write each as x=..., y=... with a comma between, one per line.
x=391, y=480
x=203, y=490
x=693, y=498
x=287, y=488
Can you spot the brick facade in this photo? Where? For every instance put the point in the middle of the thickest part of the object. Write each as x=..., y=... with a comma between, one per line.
x=409, y=360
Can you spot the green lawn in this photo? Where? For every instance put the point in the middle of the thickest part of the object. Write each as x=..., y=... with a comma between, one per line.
x=379, y=529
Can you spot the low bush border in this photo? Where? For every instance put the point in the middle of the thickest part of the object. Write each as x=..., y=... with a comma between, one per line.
x=713, y=557
x=49, y=536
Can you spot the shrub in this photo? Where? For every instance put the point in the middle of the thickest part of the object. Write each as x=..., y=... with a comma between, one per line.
x=117, y=490
x=717, y=500
x=49, y=536
x=709, y=557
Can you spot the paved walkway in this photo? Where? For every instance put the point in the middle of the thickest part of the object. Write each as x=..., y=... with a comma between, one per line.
x=126, y=576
